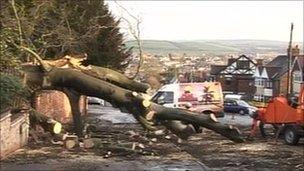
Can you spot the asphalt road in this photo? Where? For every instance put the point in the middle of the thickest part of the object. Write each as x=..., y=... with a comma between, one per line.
x=115, y=116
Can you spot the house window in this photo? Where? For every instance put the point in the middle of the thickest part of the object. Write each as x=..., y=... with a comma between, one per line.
x=264, y=83
x=268, y=84
x=258, y=82
x=297, y=77
x=261, y=82
x=243, y=64
x=228, y=82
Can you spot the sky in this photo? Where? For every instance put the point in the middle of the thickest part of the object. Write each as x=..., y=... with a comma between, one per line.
x=204, y=20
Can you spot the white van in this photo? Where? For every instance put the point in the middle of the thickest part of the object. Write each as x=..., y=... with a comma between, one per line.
x=203, y=97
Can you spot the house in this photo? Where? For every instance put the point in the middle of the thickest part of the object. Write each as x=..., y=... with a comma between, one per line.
x=272, y=79
x=265, y=78
x=297, y=74
x=237, y=76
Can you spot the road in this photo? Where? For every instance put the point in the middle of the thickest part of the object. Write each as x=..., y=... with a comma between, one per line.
x=205, y=151
x=111, y=114
x=116, y=116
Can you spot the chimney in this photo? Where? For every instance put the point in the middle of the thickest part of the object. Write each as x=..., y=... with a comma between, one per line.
x=259, y=62
x=231, y=60
x=295, y=51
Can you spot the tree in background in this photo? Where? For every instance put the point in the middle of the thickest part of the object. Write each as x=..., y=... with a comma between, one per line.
x=56, y=28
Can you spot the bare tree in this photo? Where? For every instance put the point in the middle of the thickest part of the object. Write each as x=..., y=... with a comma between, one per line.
x=134, y=30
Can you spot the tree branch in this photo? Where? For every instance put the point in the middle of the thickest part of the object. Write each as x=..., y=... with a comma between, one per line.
x=136, y=35
x=18, y=21
x=45, y=66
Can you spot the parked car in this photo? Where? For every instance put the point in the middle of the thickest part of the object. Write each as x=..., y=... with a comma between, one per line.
x=233, y=96
x=95, y=101
x=238, y=106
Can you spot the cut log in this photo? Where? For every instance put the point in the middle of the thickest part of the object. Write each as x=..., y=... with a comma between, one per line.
x=47, y=123
x=88, y=143
x=70, y=141
x=69, y=144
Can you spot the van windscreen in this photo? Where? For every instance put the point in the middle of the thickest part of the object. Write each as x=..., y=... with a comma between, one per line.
x=163, y=97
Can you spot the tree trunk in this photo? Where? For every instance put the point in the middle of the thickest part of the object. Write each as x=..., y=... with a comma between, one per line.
x=116, y=78
x=74, y=98
x=133, y=102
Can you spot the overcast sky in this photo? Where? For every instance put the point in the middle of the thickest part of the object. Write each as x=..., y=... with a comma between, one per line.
x=199, y=20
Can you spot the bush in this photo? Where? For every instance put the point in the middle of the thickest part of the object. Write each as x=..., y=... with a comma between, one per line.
x=11, y=91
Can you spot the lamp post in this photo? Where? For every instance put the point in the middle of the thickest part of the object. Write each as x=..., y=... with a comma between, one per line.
x=289, y=56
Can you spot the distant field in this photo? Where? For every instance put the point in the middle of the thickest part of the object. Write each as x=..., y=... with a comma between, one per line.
x=215, y=47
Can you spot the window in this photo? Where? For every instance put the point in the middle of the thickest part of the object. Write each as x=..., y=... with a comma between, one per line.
x=268, y=84
x=229, y=102
x=243, y=64
x=243, y=103
x=260, y=82
x=256, y=81
x=228, y=82
x=163, y=97
x=297, y=76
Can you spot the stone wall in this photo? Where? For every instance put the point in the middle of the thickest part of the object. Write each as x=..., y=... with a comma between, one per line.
x=14, y=132
x=56, y=105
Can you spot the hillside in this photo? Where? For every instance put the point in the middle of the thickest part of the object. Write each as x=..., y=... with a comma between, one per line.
x=214, y=47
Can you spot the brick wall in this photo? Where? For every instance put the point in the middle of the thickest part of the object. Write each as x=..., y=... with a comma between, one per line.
x=246, y=85
x=283, y=84
x=237, y=84
x=56, y=104
x=14, y=131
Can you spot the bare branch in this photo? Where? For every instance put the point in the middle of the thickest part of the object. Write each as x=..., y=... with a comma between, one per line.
x=18, y=20
x=135, y=32
x=45, y=66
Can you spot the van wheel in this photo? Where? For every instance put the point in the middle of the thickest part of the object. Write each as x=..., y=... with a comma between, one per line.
x=241, y=112
x=290, y=136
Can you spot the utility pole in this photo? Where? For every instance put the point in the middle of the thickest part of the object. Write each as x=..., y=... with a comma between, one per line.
x=289, y=56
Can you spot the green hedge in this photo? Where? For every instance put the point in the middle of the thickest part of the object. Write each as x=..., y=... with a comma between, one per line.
x=11, y=91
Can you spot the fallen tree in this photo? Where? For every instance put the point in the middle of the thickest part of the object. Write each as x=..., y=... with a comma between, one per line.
x=74, y=83
x=121, y=92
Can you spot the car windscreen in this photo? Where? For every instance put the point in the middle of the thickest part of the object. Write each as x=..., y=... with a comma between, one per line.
x=243, y=103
